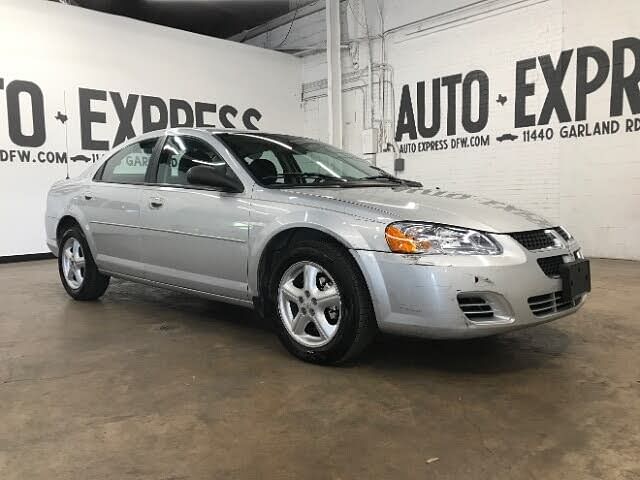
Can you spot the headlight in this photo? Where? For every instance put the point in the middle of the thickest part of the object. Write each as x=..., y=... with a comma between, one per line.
x=434, y=239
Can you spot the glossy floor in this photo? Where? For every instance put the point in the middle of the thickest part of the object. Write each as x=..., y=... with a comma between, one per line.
x=149, y=384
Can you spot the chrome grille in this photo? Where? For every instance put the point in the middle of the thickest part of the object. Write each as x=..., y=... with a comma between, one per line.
x=475, y=308
x=550, y=303
x=551, y=265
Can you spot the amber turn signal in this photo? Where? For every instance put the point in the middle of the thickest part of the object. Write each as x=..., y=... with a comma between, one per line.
x=398, y=242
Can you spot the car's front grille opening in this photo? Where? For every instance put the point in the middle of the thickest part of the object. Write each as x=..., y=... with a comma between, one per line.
x=475, y=308
x=562, y=233
x=539, y=239
x=551, y=265
x=550, y=303
x=535, y=239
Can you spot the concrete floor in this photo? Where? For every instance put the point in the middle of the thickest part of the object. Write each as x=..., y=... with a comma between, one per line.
x=149, y=384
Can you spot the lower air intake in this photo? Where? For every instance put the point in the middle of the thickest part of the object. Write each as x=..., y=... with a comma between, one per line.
x=550, y=303
x=475, y=308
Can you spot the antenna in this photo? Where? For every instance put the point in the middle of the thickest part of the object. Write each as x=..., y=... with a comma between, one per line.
x=66, y=136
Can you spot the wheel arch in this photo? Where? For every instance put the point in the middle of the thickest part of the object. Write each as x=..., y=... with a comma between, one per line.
x=73, y=217
x=64, y=223
x=286, y=237
x=280, y=241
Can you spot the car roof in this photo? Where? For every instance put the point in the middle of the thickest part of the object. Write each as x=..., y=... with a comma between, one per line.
x=215, y=131
x=187, y=130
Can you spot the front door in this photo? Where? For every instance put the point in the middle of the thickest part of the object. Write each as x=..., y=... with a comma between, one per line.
x=194, y=237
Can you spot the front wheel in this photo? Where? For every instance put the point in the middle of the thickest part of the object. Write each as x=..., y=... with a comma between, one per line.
x=78, y=271
x=323, y=311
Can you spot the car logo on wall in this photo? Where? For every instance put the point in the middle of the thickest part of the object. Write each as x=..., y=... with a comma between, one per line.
x=507, y=136
x=80, y=158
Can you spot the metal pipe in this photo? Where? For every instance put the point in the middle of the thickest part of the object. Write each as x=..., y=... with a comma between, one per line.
x=369, y=47
x=303, y=11
x=334, y=72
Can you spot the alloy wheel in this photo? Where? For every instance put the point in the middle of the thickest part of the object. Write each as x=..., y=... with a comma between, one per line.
x=309, y=304
x=73, y=263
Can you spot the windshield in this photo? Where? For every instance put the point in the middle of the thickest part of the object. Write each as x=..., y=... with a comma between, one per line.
x=281, y=160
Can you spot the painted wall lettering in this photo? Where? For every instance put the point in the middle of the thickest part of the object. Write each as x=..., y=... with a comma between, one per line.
x=25, y=105
x=447, y=87
x=594, y=66
x=16, y=117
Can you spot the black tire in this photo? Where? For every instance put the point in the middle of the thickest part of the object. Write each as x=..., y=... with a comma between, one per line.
x=357, y=326
x=95, y=283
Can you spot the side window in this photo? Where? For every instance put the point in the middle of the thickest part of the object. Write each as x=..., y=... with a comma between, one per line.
x=179, y=154
x=265, y=155
x=129, y=165
x=265, y=165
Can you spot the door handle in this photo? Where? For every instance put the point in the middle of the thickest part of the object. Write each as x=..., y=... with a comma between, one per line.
x=88, y=195
x=156, y=202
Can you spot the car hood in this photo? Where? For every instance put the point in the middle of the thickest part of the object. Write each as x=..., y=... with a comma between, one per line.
x=427, y=205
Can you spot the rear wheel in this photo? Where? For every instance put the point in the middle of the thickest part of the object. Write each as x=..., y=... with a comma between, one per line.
x=321, y=303
x=78, y=272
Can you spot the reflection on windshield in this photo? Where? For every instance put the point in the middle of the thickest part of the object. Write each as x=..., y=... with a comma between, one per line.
x=282, y=160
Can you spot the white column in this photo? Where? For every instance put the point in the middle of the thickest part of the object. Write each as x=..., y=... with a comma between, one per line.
x=334, y=73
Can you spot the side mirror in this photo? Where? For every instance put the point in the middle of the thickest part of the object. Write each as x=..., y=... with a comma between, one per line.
x=211, y=176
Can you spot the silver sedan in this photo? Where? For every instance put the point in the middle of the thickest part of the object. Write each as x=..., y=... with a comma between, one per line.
x=330, y=247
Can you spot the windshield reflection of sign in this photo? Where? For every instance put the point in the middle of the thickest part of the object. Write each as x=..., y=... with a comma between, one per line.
x=132, y=164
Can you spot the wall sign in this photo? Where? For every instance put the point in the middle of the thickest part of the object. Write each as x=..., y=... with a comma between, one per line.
x=24, y=102
x=425, y=126
x=74, y=83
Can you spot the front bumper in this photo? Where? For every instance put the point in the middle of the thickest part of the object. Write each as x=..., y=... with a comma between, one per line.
x=419, y=294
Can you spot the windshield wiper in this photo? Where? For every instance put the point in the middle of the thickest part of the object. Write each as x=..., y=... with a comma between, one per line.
x=323, y=179
x=382, y=177
x=318, y=176
x=391, y=178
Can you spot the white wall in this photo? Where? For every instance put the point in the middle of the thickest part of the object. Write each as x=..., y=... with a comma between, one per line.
x=589, y=184
x=600, y=176
x=59, y=49
x=526, y=175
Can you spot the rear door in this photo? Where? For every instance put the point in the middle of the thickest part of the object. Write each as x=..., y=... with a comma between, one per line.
x=192, y=236
x=112, y=207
